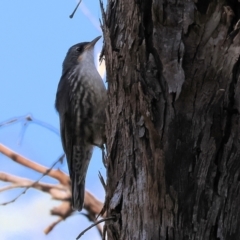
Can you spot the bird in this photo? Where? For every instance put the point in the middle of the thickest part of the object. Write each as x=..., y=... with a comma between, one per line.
x=81, y=101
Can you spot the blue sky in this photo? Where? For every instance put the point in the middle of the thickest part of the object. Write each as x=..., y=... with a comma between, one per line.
x=35, y=36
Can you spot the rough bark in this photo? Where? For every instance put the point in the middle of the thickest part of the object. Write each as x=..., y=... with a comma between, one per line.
x=173, y=119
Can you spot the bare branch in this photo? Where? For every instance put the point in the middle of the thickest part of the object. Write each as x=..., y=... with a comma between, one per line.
x=24, y=129
x=57, y=174
x=71, y=16
x=29, y=119
x=92, y=218
x=92, y=204
x=94, y=224
x=89, y=15
x=102, y=180
x=60, y=191
x=51, y=226
x=64, y=210
x=36, y=182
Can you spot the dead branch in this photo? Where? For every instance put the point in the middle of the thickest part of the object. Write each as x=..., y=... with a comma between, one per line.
x=57, y=174
x=61, y=191
x=51, y=226
x=26, y=119
x=19, y=182
x=71, y=16
x=94, y=224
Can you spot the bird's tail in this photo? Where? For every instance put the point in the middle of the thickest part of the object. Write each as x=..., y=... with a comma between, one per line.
x=82, y=156
x=78, y=190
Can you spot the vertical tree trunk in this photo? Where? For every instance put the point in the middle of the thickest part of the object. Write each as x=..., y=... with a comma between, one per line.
x=173, y=119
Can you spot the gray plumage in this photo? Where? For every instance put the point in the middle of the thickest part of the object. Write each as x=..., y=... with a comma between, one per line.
x=80, y=101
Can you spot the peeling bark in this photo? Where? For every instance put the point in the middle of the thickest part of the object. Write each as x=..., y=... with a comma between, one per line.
x=173, y=119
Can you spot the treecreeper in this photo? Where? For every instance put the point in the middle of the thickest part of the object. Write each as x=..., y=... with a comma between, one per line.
x=81, y=101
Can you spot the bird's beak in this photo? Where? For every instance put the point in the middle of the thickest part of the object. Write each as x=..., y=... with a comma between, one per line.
x=92, y=43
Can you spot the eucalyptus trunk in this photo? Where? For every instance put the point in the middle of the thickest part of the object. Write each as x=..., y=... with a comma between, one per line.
x=173, y=119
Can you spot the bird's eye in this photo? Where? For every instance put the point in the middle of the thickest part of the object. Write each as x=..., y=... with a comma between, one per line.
x=78, y=49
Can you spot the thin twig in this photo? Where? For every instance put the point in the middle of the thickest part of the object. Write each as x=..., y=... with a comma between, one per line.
x=91, y=18
x=91, y=218
x=102, y=180
x=30, y=119
x=50, y=227
x=19, y=182
x=25, y=190
x=24, y=129
x=94, y=224
x=71, y=16
x=40, y=186
x=57, y=174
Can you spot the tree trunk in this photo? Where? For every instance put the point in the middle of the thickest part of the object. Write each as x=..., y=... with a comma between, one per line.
x=173, y=119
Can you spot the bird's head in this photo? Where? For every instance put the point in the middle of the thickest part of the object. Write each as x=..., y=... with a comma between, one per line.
x=79, y=52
